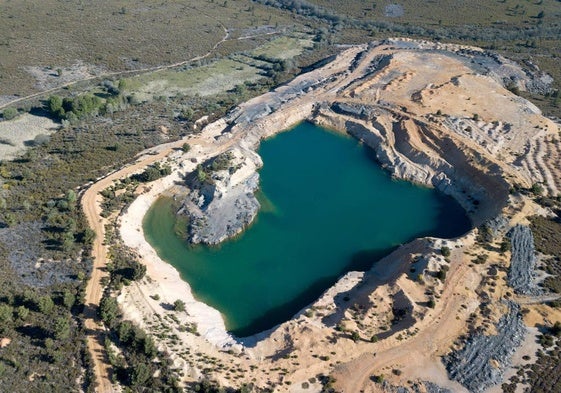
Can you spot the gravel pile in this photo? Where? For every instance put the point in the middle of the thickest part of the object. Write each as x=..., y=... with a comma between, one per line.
x=483, y=360
x=523, y=261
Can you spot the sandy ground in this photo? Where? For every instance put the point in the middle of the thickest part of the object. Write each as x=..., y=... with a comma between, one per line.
x=164, y=280
x=21, y=130
x=94, y=290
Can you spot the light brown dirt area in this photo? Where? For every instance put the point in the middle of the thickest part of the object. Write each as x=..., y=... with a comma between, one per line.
x=397, y=87
x=17, y=134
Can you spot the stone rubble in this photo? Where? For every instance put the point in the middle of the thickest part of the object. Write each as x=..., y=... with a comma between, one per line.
x=483, y=360
x=521, y=273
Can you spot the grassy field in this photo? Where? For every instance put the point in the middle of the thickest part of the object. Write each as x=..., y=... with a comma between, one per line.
x=207, y=80
x=220, y=75
x=284, y=47
x=114, y=36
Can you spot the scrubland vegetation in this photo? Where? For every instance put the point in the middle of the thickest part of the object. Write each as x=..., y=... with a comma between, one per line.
x=44, y=240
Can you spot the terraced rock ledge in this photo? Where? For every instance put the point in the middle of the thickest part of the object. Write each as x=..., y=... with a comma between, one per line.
x=434, y=114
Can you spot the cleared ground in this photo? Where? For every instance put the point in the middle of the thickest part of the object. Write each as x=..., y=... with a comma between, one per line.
x=18, y=134
x=221, y=75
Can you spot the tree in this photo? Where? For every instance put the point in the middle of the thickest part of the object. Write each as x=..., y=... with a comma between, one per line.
x=68, y=299
x=138, y=271
x=122, y=86
x=240, y=90
x=445, y=251
x=186, y=147
x=355, y=336
x=140, y=374
x=201, y=174
x=22, y=312
x=149, y=348
x=61, y=328
x=67, y=240
x=55, y=106
x=187, y=114
x=537, y=189
x=71, y=196
x=108, y=310
x=441, y=274
x=45, y=305
x=505, y=245
x=125, y=332
x=6, y=312
x=556, y=329
x=88, y=237
x=153, y=172
x=179, y=305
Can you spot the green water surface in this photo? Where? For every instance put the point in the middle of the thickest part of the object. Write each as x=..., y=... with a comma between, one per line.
x=327, y=208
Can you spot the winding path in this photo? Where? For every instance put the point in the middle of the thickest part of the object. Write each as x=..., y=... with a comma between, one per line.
x=436, y=332
x=119, y=73
x=90, y=201
x=95, y=332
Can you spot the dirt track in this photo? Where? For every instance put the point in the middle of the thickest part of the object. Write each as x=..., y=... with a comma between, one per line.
x=94, y=289
x=437, y=331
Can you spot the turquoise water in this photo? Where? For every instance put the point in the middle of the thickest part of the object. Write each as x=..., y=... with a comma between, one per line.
x=327, y=208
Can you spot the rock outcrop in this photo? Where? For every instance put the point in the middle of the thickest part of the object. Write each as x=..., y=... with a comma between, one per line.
x=523, y=261
x=221, y=201
x=413, y=150
x=419, y=106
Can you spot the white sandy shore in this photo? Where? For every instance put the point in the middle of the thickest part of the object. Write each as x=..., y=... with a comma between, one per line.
x=166, y=281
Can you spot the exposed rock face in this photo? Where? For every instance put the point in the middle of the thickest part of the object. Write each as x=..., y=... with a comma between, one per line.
x=435, y=114
x=423, y=107
x=414, y=151
x=221, y=202
x=481, y=363
x=522, y=261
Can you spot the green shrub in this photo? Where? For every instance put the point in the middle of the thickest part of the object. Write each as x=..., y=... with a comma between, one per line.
x=179, y=305
x=9, y=113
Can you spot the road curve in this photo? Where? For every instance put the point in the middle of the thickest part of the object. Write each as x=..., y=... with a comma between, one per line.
x=95, y=332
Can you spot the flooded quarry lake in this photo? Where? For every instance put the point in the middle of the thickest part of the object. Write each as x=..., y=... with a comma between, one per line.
x=326, y=208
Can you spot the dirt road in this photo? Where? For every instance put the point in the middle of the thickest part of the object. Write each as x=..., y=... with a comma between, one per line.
x=436, y=333
x=94, y=289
